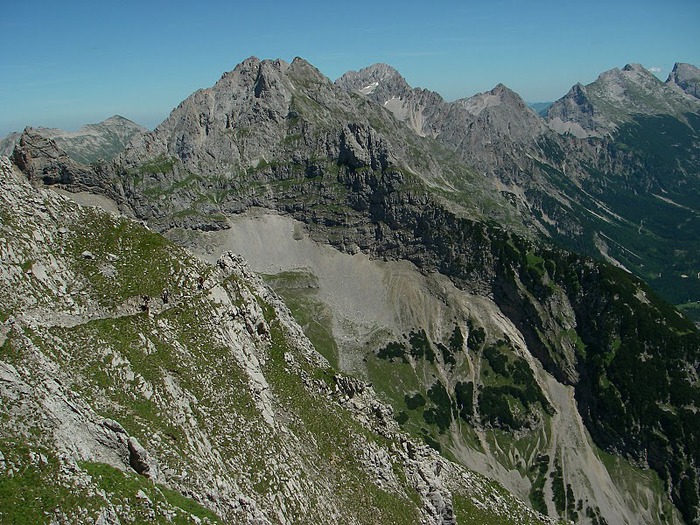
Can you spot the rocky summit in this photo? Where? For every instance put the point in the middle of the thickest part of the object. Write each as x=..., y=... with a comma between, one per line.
x=686, y=77
x=303, y=300
x=619, y=95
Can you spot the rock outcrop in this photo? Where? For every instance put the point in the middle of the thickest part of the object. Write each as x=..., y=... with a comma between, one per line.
x=90, y=144
x=686, y=77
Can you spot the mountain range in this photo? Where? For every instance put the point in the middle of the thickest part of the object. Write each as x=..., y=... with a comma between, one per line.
x=91, y=143
x=487, y=281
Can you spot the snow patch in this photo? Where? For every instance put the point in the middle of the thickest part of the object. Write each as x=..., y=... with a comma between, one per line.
x=368, y=90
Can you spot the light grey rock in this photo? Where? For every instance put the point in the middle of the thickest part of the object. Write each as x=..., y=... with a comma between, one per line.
x=686, y=77
x=140, y=460
x=91, y=143
x=615, y=97
x=422, y=110
x=114, y=426
x=108, y=516
x=8, y=143
x=349, y=386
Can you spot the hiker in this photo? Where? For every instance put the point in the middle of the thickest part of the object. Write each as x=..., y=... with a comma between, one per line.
x=146, y=304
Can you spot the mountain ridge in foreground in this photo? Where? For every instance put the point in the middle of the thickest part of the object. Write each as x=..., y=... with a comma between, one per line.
x=412, y=239
x=141, y=384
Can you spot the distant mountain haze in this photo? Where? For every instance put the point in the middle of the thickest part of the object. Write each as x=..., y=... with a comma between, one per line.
x=90, y=143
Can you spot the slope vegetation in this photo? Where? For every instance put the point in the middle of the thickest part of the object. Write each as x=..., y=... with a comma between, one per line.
x=508, y=354
x=139, y=384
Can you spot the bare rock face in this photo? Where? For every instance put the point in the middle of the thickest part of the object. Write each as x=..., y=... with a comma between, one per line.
x=140, y=460
x=686, y=77
x=599, y=108
x=42, y=160
x=92, y=143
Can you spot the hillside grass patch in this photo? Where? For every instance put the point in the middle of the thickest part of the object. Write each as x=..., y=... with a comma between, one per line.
x=334, y=431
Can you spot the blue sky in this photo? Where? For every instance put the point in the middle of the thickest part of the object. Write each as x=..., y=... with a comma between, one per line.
x=68, y=63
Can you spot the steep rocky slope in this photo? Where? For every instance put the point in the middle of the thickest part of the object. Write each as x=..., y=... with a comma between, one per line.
x=508, y=355
x=402, y=329
x=140, y=384
x=614, y=98
x=91, y=143
x=629, y=197
x=641, y=180
x=686, y=77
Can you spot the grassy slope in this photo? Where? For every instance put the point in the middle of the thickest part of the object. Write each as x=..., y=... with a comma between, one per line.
x=172, y=383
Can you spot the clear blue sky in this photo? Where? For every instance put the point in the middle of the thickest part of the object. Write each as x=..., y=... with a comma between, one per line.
x=71, y=62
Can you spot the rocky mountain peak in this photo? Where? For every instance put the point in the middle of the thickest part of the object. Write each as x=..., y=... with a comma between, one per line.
x=300, y=67
x=578, y=95
x=233, y=122
x=686, y=77
x=269, y=76
x=573, y=113
x=119, y=120
x=92, y=142
x=501, y=116
x=306, y=77
x=635, y=67
x=422, y=110
x=261, y=74
x=499, y=95
x=614, y=98
x=629, y=75
x=578, y=89
x=380, y=82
